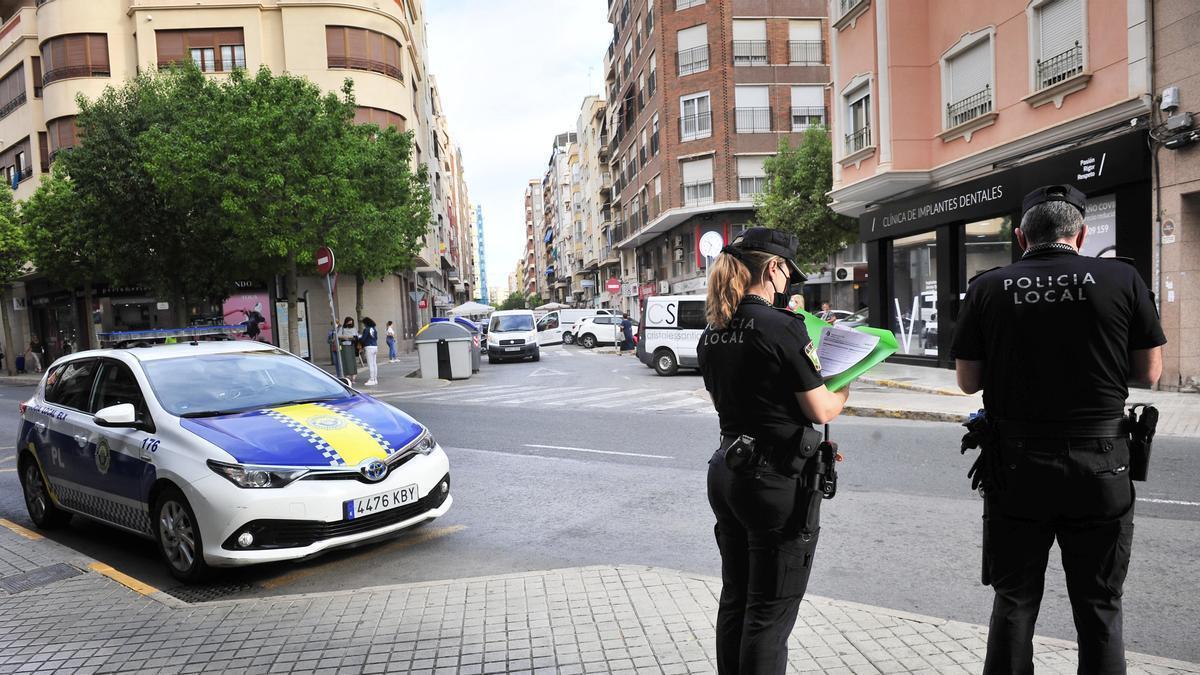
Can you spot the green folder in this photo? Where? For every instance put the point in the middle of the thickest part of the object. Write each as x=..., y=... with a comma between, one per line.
x=886, y=346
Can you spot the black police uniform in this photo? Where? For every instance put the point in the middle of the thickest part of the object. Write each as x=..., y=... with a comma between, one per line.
x=767, y=520
x=1054, y=332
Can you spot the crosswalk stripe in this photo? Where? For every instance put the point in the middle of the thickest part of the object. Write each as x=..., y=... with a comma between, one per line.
x=417, y=393
x=458, y=394
x=536, y=393
x=641, y=400
x=623, y=395
x=597, y=390
x=690, y=401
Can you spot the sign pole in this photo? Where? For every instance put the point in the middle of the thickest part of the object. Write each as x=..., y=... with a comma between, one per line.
x=325, y=265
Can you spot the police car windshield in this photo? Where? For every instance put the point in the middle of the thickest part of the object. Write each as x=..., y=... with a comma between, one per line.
x=511, y=323
x=216, y=384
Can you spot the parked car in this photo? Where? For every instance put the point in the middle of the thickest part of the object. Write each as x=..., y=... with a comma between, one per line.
x=859, y=318
x=224, y=453
x=560, y=325
x=511, y=335
x=598, y=330
x=670, y=329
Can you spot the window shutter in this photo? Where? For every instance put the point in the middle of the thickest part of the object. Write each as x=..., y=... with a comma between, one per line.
x=970, y=71
x=36, y=62
x=98, y=48
x=77, y=51
x=749, y=30
x=808, y=97
x=1061, y=26
x=751, y=167
x=335, y=42
x=697, y=171
x=170, y=46
x=696, y=36
x=804, y=31
x=356, y=45
x=751, y=97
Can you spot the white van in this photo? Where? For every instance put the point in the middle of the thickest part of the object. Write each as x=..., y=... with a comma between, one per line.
x=669, y=332
x=559, y=325
x=511, y=335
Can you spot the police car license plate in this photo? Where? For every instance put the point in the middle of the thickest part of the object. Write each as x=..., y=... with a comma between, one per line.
x=365, y=506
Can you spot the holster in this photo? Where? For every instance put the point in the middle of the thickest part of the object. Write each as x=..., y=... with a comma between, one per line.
x=743, y=452
x=1141, y=430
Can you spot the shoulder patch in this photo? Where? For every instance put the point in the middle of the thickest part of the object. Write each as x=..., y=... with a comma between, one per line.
x=810, y=350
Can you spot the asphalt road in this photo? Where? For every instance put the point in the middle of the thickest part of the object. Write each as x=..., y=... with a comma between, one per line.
x=587, y=458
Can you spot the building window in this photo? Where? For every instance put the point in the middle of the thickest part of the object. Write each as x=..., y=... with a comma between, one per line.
x=652, y=80
x=858, y=120
x=749, y=43
x=913, y=307
x=78, y=55
x=752, y=177
x=362, y=49
x=684, y=4
x=44, y=151
x=808, y=107
x=36, y=62
x=644, y=151
x=657, y=199
x=213, y=50
x=693, y=49
x=654, y=135
x=380, y=118
x=63, y=134
x=637, y=32
x=628, y=66
x=12, y=91
x=968, y=83
x=805, y=46
x=697, y=182
x=1058, y=37
x=695, y=117
x=752, y=109
x=649, y=20
x=15, y=160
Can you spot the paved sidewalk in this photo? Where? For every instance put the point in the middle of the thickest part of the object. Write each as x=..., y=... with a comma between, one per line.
x=624, y=619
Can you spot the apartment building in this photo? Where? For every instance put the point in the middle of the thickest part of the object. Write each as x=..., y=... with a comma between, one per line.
x=52, y=51
x=484, y=292
x=699, y=95
x=557, y=259
x=531, y=282
x=596, y=256
x=946, y=113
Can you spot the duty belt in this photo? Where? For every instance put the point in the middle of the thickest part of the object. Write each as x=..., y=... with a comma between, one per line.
x=1073, y=429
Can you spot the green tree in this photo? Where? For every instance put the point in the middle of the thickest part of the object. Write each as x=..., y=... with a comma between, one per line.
x=14, y=254
x=515, y=300
x=795, y=199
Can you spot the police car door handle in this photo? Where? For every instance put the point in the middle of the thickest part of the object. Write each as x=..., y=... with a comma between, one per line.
x=41, y=426
x=81, y=440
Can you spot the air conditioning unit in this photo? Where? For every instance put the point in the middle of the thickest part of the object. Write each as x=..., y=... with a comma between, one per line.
x=843, y=274
x=664, y=288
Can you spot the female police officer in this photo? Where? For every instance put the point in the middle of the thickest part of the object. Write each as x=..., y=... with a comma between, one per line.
x=764, y=378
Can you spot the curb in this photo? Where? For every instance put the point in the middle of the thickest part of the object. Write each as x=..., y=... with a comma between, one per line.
x=891, y=413
x=896, y=384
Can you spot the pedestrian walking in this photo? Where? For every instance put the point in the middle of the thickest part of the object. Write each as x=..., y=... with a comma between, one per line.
x=764, y=377
x=627, y=343
x=390, y=332
x=348, y=339
x=370, y=342
x=826, y=314
x=37, y=353
x=1052, y=340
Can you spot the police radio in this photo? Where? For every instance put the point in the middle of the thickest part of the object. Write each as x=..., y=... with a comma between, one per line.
x=827, y=459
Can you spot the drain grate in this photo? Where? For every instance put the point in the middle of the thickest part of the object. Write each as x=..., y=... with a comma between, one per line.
x=207, y=592
x=41, y=576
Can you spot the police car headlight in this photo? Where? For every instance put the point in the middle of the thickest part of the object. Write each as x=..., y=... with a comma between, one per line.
x=425, y=444
x=248, y=476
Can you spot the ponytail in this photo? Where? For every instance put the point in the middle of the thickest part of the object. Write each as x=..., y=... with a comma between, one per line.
x=727, y=283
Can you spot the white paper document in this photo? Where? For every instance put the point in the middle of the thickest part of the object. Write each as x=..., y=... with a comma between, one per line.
x=840, y=348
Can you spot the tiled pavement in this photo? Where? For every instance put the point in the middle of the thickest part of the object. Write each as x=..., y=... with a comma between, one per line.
x=623, y=619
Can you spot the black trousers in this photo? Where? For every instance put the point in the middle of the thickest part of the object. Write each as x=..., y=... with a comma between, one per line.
x=767, y=527
x=1079, y=493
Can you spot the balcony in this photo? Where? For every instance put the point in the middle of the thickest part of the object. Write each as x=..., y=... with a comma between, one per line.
x=806, y=52
x=848, y=13
x=695, y=126
x=752, y=120
x=971, y=107
x=99, y=70
x=1060, y=68
x=692, y=60
x=858, y=140
x=749, y=52
x=698, y=193
x=804, y=117
x=16, y=102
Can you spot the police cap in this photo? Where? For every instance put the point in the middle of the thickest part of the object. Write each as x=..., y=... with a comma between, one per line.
x=1055, y=193
x=767, y=240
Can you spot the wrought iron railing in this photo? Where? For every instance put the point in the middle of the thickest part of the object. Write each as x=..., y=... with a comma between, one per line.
x=693, y=60
x=355, y=63
x=804, y=116
x=749, y=52
x=847, y=5
x=1060, y=67
x=858, y=140
x=752, y=120
x=65, y=72
x=16, y=102
x=698, y=193
x=806, y=52
x=695, y=126
x=979, y=103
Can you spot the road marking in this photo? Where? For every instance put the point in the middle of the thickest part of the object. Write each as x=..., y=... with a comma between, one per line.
x=545, y=372
x=1174, y=502
x=7, y=459
x=122, y=578
x=8, y=470
x=590, y=401
x=598, y=452
x=444, y=395
x=439, y=392
x=640, y=400
x=685, y=402
x=420, y=537
x=24, y=532
x=595, y=390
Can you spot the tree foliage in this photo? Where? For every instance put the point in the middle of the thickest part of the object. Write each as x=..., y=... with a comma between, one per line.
x=13, y=257
x=519, y=300
x=796, y=198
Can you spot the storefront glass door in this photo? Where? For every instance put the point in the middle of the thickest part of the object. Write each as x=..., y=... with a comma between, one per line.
x=913, y=305
x=987, y=244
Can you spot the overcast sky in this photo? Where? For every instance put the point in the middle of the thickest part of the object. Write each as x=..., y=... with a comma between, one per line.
x=512, y=75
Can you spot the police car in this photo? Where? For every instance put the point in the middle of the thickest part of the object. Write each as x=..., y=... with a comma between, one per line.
x=225, y=453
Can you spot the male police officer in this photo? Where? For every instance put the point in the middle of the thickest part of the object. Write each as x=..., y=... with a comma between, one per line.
x=1052, y=340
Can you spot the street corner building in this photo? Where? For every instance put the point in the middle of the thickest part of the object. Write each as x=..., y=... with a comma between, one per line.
x=53, y=51
x=945, y=114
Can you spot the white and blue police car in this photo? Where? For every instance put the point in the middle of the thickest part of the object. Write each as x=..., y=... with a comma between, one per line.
x=225, y=453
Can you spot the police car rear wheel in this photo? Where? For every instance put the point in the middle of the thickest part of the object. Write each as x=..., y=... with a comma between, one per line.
x=588, y=341
x=42, y=510
x=665, y=363
x=179, y=536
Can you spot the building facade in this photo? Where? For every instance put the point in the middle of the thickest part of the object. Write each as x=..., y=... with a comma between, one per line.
x=946, y=113
x=52, y=51
x=699, y=95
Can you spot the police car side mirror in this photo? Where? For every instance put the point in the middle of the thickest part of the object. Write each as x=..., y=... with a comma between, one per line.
x=122, y=415
x=346, y=382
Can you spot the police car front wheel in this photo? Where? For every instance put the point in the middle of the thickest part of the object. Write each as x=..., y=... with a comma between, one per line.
x=178, y=536
x=42, y=510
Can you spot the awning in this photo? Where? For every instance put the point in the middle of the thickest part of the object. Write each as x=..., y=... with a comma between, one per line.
x=549, y=236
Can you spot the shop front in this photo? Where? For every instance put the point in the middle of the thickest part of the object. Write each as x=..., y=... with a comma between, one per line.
x=923, y=250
